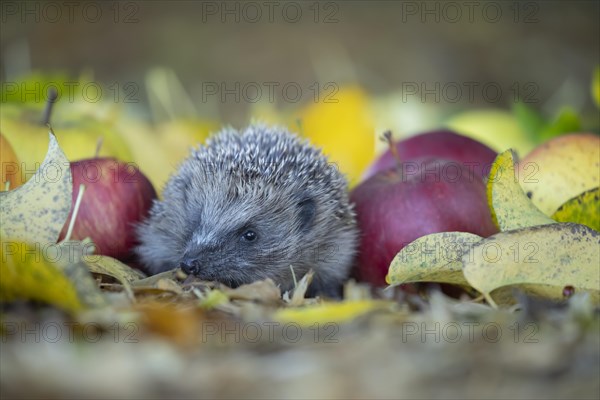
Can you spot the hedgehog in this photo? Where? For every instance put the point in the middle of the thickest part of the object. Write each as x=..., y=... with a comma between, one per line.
x=254, y=204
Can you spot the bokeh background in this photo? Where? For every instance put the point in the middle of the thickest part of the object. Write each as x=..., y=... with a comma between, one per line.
x=380, y=44
x=413, y=65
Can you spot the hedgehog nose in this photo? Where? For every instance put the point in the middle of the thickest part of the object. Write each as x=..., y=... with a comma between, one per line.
x=189, y=267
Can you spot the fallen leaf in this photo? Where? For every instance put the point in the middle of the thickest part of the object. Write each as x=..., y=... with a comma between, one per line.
x=264, y=291
x=152, y=281
x=169, y=285
x=299, y=292
x=509, y=205
x=545, y=259
x=112, y=267
x=37, y=211
x=432, y=258
x=583, y=209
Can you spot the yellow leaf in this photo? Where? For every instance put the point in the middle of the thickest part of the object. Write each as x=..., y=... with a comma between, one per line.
x=544, y=258
x=583, y=209
x=342, y=125
x=27, y=274
x=330, y=312
x=77, y=129
x=509, y=205
x=432, y=258
x=37, y=211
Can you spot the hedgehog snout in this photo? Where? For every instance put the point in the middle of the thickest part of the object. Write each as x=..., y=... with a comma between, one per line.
x=189, y=266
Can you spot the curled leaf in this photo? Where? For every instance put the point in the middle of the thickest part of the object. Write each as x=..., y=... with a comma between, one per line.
x=545, y=259
x=510, y=206
x=37, y=211
x=432, y=258
x=582, y=209
x=112, y=267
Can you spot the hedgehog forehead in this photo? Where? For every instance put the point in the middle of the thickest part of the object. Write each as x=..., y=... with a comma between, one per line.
x=231, y=204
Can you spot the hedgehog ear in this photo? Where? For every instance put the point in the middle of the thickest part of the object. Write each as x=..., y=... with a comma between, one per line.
x=307, y=209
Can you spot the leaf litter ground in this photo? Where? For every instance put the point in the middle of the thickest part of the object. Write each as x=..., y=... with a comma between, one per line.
x=178, y=336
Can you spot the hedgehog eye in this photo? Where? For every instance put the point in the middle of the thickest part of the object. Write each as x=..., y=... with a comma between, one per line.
x=249, y=235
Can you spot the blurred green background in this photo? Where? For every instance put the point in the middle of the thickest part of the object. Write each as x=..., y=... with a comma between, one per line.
x=382, y=45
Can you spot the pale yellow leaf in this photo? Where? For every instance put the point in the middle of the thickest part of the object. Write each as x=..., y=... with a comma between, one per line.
x=37, y=211
x=432, y=258
x=545, y=259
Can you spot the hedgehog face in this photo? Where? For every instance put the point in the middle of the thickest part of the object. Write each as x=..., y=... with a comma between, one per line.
x=247, y=243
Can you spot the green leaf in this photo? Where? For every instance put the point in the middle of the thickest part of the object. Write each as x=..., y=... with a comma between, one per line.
x=33, y=88
x=432, y=258
x=510, y=206
x=595, y=89
x=36, y=211
x=567, y=121
x=545, y=259
x=582, y=209
x=529, y=119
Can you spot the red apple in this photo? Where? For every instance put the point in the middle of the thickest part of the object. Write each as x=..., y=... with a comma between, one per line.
x=419, y=197
x=117, y=196
x=444, y=144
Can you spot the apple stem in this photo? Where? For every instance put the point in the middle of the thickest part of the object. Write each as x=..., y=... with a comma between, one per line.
x=387, y=135
x=75, y=211
x=52, y=96
x=99, y=146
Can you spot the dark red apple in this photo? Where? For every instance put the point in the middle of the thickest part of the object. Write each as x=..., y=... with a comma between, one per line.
x=444, y=144
x=413, y=199
x=117, y=196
